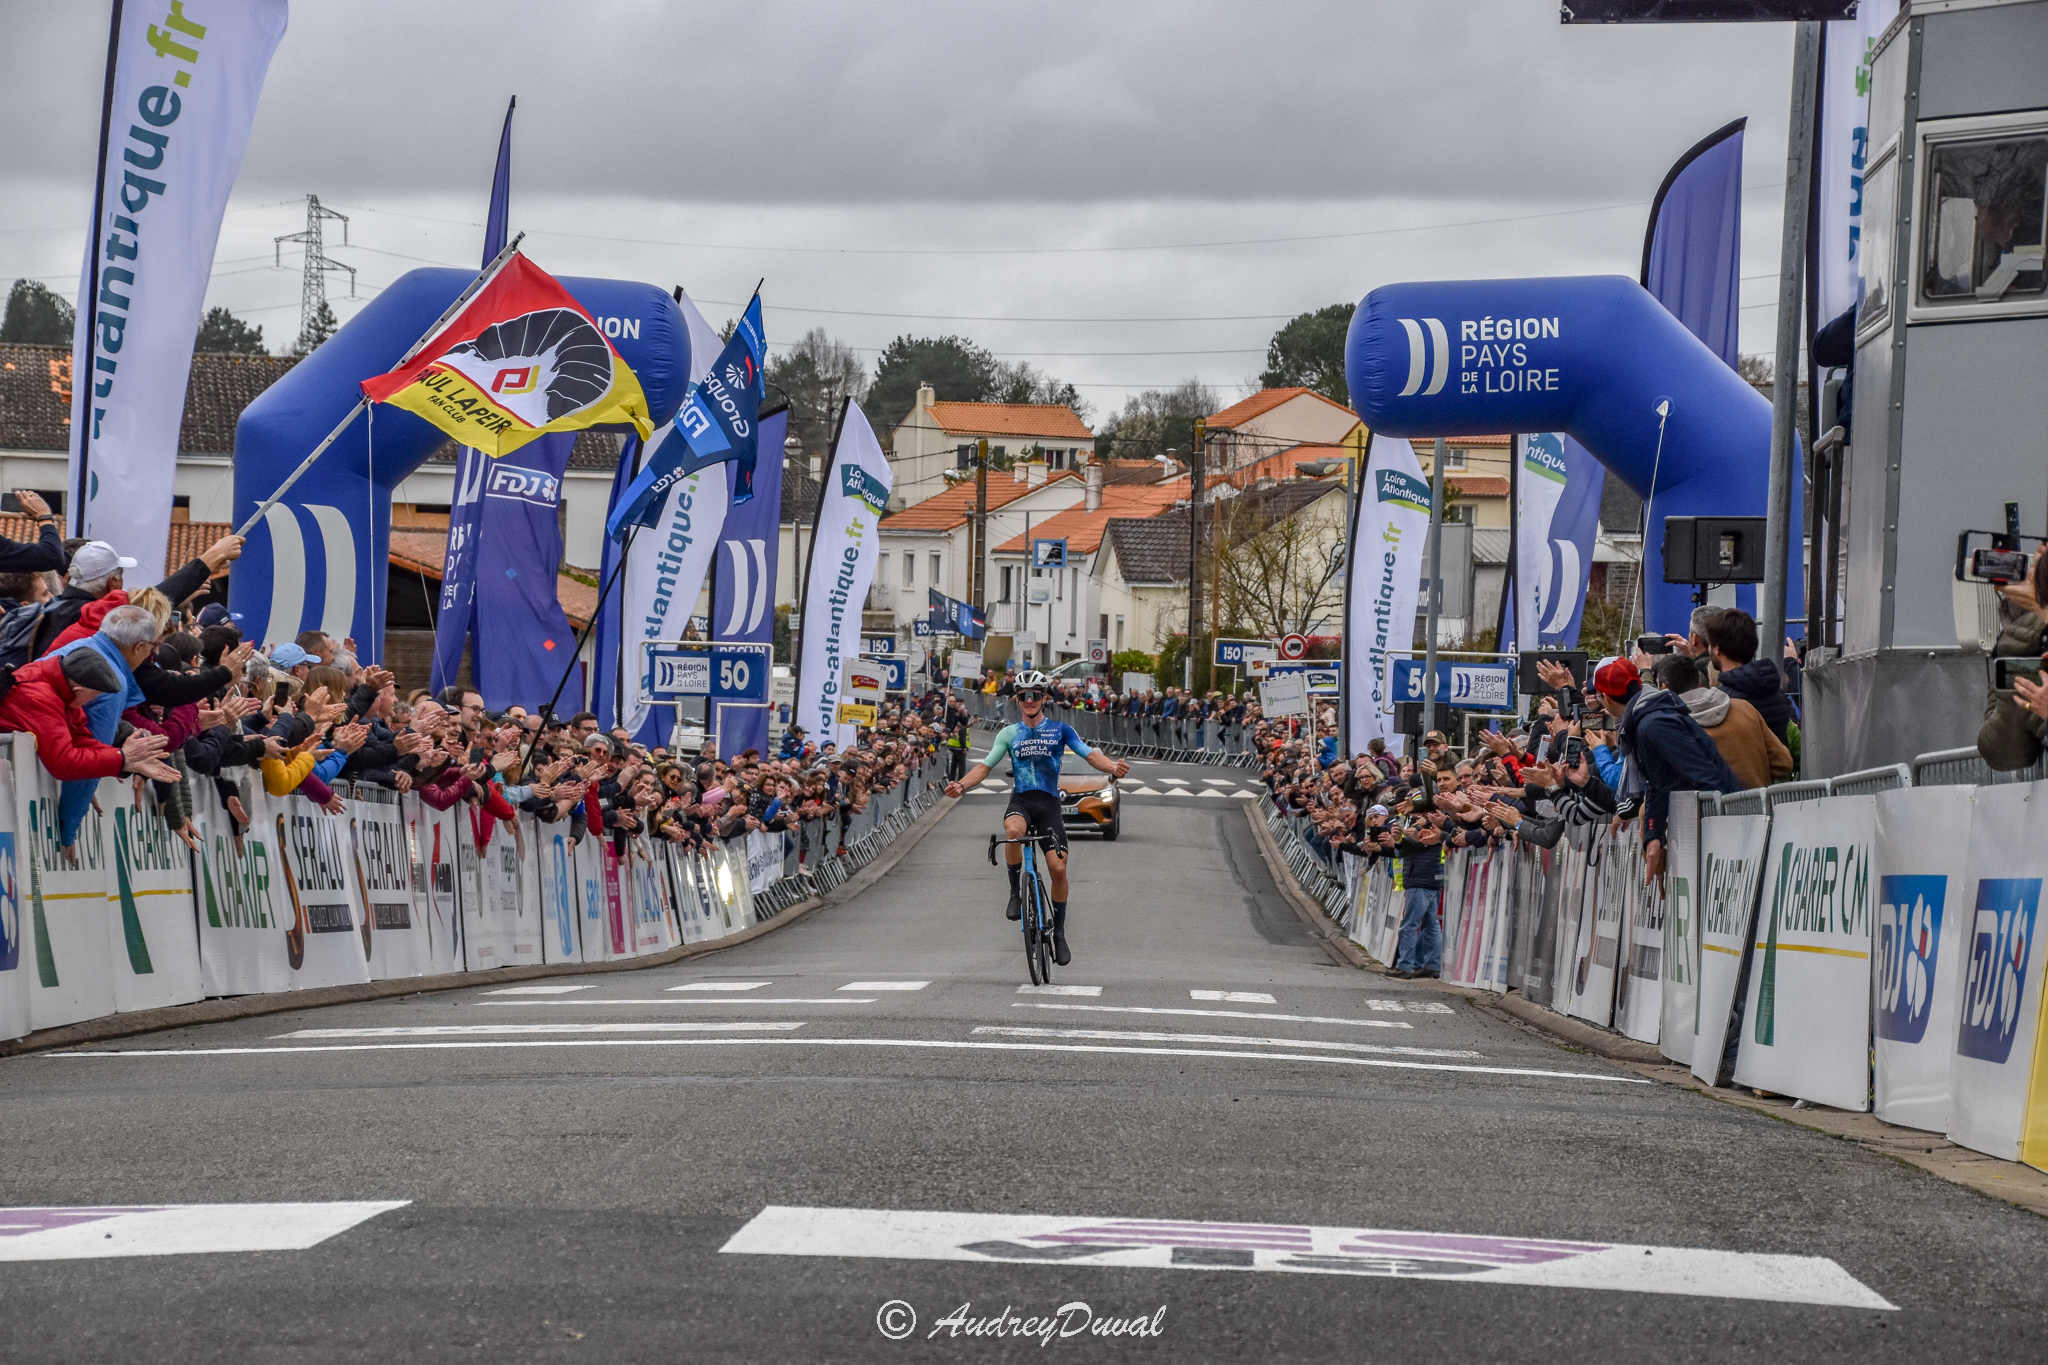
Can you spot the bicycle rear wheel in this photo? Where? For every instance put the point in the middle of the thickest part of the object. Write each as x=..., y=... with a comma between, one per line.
x=1042, y=951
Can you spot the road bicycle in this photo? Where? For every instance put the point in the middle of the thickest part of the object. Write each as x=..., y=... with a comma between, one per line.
x=1037, y=916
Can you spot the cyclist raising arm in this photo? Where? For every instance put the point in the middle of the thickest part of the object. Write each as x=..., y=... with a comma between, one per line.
x=1035, y=745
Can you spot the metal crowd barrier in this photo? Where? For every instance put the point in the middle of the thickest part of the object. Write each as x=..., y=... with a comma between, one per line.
x=1967, y=768
x=823, y=853
x=1872, y=780
x=1169, y=738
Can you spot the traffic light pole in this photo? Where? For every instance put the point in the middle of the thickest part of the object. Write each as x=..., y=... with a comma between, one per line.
x=1196, y=460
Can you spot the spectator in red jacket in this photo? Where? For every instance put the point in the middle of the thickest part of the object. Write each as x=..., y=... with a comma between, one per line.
x=48, y=700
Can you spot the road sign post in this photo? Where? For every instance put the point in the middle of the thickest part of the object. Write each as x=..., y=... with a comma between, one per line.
x=728, y=676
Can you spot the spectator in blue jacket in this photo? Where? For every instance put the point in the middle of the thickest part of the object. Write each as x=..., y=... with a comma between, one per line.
x=1665, y=748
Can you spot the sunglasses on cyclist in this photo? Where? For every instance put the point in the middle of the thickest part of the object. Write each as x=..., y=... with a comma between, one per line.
x=1032, y=695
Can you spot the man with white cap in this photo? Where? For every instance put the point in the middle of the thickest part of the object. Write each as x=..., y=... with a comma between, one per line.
x=97, y=569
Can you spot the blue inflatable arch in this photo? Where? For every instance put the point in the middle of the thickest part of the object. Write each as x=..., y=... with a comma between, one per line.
x=1596, y=357
x=320, y=558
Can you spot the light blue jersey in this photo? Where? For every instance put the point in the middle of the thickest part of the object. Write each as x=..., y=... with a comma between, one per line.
x=1035, y=752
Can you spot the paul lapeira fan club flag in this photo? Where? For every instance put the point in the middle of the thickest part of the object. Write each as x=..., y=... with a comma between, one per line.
x=523, y=359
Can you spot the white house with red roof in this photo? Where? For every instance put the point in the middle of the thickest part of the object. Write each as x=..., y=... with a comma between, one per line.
x=926, y=443
x=928, y=544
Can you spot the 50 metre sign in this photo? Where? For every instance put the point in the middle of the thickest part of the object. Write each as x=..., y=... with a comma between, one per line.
x=721, y=672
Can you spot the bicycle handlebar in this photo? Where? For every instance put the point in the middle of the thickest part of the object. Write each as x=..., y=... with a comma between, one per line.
x=993, y=842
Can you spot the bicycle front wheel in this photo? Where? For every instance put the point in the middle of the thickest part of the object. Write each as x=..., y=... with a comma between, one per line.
x=1033, y=940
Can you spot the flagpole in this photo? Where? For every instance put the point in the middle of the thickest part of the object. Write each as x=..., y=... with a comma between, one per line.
x=90, y=304
x=547, y=713
x=476, y=287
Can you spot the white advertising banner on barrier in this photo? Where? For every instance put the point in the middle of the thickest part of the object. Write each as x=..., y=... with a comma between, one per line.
x=500, y=929
x=1806, y=1029
x=617, y=929
x=2001, y=1005
x=1920, y=949
x=1639, y=995
x=397, y=942
x=434, y=835
x=324, y=935
x=699, y=919
x=764, y=859
x=653, y=928
x=587, y=863
x=1679, y=1005
x=1731, y=856
x=242, y=914
x=17, y=954
x=67, y=902
x=555, y=878
x=156, y=954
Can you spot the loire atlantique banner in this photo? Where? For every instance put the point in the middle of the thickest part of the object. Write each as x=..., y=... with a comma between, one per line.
x=1390, y=526
x=842, y=566
x=183, y=97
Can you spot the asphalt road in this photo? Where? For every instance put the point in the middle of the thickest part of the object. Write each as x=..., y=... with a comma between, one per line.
x=567, y=1192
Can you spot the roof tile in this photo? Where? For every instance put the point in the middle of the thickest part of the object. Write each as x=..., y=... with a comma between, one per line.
x=1263, y=402
x=1009, y=419
x=944, y=511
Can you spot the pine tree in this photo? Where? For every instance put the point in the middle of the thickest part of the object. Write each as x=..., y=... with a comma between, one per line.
x=37, y=316
x=318, y=328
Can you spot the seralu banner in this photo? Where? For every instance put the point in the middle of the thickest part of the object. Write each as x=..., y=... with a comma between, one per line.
x=400, y=941
x=1806, y=1027
x=185, y=86
x=1389, y=529
x=1731, y=860
x=1557, y=523
x=857, y=481
x=1920, y=949
x=1999, y=1031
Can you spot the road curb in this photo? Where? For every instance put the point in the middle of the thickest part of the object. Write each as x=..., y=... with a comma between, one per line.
x=1346, y=953
x=229, y=1008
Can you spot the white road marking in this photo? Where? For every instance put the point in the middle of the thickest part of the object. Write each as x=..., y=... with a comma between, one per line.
x=1219, y=782
x=1235, y=997
x=461, y=1030
x=1133, y=1036
x=705, y=1000
x=1244, y=796
x=1216, y=794
x=885, y=985
x=934, y=1044
x=76, y=1234
x=1173, y=791
x=1059, y=990
x=1139, y=791
x=1175, y=781
x=539, y=990
x=723, y=986
x=1158, y=1244
x=1212, y=1014
x=1411, y=1006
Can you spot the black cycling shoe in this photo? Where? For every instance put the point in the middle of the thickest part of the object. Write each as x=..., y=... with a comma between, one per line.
x=1016, y=910
x=1059, y=950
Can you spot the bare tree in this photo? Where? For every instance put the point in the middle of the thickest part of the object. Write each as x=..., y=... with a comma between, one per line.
x=1156, y=421
x=1276, y=560
x=816, y=375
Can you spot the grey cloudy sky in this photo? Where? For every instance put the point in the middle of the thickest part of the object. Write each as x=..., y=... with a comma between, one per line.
x=930, y=167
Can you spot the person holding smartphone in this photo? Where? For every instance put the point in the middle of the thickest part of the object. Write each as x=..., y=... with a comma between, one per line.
x=2015, y=710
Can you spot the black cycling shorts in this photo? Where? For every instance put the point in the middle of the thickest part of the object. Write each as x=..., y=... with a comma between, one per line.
x=1041, y=812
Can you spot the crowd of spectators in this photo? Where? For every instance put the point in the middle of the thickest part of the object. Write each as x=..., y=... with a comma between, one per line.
x=151, y=685
x=1612, y=753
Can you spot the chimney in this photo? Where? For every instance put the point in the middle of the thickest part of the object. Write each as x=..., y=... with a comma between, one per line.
x=1019, y=470
x=1034, y=472
x=1093, y=498
x=925, y=396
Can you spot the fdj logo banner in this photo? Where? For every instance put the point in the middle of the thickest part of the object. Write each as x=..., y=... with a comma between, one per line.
x=1908, y=953
x=2001, y=944
x=1404, y=490
x=856, y=482
x=523, y=485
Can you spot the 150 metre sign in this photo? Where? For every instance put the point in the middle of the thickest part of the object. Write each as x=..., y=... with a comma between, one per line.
x=722, y=672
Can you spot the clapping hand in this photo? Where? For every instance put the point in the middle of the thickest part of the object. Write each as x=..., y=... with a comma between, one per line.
x=2032, y=695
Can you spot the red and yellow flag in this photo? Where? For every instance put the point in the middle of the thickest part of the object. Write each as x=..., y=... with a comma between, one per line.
x=521, y=359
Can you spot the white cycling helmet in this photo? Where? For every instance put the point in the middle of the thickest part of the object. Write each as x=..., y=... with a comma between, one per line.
x=1034, y=681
